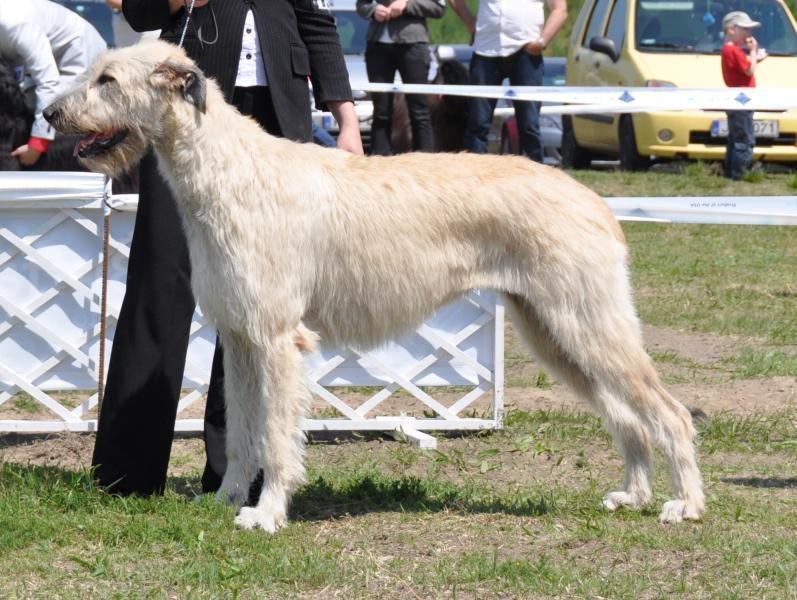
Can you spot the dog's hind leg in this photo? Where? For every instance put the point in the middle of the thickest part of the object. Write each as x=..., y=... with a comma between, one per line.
x=628, y=431
x=283, y=399
x=594, y=345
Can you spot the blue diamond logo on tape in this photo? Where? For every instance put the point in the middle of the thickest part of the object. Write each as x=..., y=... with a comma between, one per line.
x=742, y=98
x=626, y=97
x=510, y=93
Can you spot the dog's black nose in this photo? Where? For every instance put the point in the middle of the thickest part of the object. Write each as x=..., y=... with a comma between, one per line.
x=50, y=113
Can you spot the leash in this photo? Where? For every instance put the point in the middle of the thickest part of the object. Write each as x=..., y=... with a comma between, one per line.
x=104, y=296
x=187, y=19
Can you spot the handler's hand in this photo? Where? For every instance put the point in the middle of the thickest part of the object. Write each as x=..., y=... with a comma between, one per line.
x=349, y=135
x=26, y=155
x=349, y=140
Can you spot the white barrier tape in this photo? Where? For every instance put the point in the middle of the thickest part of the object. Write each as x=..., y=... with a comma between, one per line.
x=719, y=210
x=611, y=99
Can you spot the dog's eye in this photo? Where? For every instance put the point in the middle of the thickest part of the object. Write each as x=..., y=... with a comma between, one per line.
x=103, y=79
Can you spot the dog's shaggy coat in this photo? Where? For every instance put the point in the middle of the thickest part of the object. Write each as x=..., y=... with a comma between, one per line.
x=363, y=249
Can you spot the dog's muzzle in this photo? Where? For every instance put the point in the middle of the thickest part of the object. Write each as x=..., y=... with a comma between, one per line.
x=97, y=143
x=90, y=144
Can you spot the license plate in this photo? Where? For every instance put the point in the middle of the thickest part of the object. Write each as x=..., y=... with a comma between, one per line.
x=762, y=129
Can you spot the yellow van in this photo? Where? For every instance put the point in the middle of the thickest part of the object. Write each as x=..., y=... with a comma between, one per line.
x=673, y=43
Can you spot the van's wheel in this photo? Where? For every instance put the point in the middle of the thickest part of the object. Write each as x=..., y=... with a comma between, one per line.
x=630, y=158
x=573, y=155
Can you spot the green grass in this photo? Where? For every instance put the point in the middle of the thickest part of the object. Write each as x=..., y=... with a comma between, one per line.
x=690, y=179
x=510, y=514
x=720, y=279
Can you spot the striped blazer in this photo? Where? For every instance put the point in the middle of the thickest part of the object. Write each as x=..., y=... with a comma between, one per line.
x=298, y=39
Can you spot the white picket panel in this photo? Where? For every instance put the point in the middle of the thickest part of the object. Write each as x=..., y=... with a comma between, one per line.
x=51, y=227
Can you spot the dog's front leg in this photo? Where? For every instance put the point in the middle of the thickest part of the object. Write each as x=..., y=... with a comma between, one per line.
x=245, y=417
x=274, y=387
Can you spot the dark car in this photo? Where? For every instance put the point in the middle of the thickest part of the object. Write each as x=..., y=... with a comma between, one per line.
x=95, y=12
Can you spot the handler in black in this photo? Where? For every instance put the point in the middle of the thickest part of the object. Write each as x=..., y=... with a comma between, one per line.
x=261, y=53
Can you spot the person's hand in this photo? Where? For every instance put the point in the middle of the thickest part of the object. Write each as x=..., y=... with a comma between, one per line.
x=752, y=43
x=397, y=8
x=349, y=139
x=349, y=133
x=381, y=13
x=534, y=48
x=114, y=4
x=26, y=155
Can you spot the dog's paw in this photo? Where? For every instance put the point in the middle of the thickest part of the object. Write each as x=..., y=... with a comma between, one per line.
x=614, y=500
x=676, y=511
x=232, y=496
x=252, y=518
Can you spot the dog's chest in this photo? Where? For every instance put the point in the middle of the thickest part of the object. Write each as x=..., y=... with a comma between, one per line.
x=214, y=271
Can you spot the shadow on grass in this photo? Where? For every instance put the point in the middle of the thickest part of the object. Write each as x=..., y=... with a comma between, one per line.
x=322, y=499
x=763, y=482
x=319, y=499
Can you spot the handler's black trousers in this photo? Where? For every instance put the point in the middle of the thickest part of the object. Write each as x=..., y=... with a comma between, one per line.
x=134, y=438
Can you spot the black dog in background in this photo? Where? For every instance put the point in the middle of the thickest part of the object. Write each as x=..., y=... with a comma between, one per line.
x=15, y=123
x=449, y=113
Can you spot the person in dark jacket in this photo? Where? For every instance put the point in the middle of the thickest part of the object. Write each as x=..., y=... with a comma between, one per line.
x=398, y=40
x=261, y=53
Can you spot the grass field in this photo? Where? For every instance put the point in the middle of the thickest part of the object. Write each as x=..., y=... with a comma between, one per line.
x=508, y=514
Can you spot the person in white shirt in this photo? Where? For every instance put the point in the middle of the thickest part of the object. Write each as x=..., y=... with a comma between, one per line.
x=509, y=39
x=51, y=46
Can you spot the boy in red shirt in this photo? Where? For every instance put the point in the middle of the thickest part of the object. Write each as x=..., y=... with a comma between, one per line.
x=738, y=70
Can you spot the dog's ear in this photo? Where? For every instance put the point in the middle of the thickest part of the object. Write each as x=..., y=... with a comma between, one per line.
x=186, y=78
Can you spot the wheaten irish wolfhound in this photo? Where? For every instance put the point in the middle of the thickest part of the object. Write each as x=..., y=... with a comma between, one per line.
x=363, y=249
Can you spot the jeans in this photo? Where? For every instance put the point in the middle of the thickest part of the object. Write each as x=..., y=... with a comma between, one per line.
x=412, y=62
x=322, y=137
x=522, y=69
x=741, y=140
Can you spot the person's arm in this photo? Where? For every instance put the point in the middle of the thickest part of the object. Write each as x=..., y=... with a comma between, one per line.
x=366, y=8
x=32, y=45
x=556, y=18
x=460, y=7
x=328, y=73
x=429, y=9
x=754, y=59
x=372, y=10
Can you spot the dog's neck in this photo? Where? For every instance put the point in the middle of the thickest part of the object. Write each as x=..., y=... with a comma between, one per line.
x=194, y=149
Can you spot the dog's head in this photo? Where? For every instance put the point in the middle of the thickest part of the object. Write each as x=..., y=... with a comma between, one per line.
x=125, y=101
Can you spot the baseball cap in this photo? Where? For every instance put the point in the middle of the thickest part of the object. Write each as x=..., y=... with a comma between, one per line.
x=739, y=18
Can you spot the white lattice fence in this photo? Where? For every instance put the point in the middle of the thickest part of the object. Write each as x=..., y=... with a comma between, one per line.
x=50, y=281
